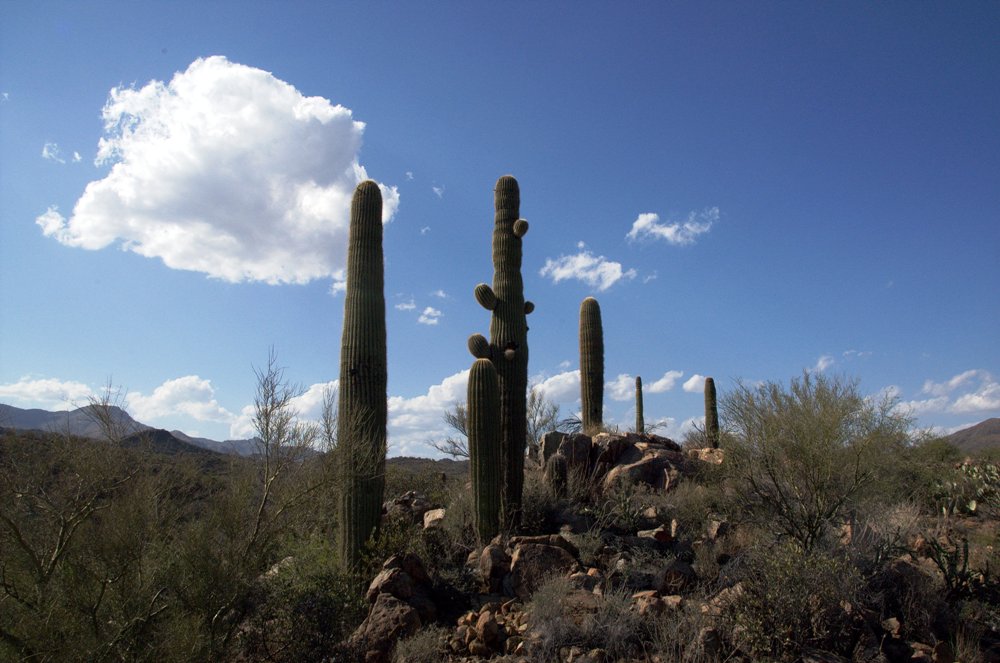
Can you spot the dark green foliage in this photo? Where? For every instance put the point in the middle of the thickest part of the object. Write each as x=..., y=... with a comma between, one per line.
x=711, y=413
x=640, y=422
x=484, y=446
x=591, y=365
x=508, y=345
x=361, y=422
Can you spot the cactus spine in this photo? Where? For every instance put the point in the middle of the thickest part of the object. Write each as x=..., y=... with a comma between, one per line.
x=508, y=344
x=711, y=413
x=591, y=365
x=362, y=400
x=484, y=446
x=640, y=423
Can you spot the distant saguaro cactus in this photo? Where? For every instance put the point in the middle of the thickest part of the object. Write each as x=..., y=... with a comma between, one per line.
x=711, y=413
x=640, y=423
x=557, y=474
x=362, y=407
x=591, y=365
x=483, y=425
x=508, y=344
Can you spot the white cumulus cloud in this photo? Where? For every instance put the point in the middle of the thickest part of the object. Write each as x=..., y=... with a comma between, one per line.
x=665, y=383
x=430, y=316
x=622, y=388
x=418, y=420
x=595, y=271
x=694, y=384
x=46, y=393
x=649, y=226
x=561, y=388
x=189, y=396
x=225, y=170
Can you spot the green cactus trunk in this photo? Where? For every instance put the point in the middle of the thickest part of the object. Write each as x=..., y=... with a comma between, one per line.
x=640, y=423
x=508, y=344
x=557, y=474
x=591, y=365
x=711, y=414
x=483, y=425
x=362, y=403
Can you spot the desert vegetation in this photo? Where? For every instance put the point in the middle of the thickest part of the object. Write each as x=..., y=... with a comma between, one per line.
x=803, y=521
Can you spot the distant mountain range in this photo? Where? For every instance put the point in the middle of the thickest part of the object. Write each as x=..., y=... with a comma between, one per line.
x=85, y=422
x=984, y=435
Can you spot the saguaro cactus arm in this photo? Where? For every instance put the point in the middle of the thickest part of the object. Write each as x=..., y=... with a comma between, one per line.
x=485, y=296
x=484, y=446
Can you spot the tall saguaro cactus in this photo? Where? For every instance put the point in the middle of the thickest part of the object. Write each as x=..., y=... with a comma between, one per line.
x=640, y=422
x=591, y=365
x=484, y=446
x=508, y=344
x=362, y=406
x=711, y=413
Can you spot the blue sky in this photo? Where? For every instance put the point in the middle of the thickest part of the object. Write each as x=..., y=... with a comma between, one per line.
x=749, y=190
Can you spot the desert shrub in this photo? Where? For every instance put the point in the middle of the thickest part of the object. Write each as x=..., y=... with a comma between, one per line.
x=876, y=533
x=613, y=626
x=540, y=507
x=803, y=455
x=302, y=608
x=678, y=637
x=791, y=598
x=423, y=647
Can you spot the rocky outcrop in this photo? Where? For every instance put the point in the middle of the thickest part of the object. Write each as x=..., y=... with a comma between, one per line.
x=401, y=600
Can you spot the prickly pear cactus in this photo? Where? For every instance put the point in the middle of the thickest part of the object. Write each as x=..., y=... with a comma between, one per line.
x=591, y=365
x=361, y=423
x=484, y=446
x=640, y=422
x=711, y=414
x=508, y=344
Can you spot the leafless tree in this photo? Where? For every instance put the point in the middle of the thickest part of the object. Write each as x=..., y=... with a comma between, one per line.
x=542, y=414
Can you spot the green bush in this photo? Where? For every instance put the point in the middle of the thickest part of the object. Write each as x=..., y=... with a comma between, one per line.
x=803, y=455
x=791, y=599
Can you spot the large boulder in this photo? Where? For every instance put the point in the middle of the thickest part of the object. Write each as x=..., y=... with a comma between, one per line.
x=658, y=468
x=389, y=620
x=533, y=563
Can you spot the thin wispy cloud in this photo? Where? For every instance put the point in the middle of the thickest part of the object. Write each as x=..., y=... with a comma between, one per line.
x=425, y=230
x=244, y=178
x=649, y=226
x=51, y=152
x=972, y=391
x=440, y=294
x=438, y=191
x=596, y=271
x=408, y=305
x=823, y=363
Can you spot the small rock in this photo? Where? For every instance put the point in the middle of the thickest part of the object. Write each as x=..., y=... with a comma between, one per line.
x=479, y=648
x=661, y=534
x=433, y=518
x=487, y=628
